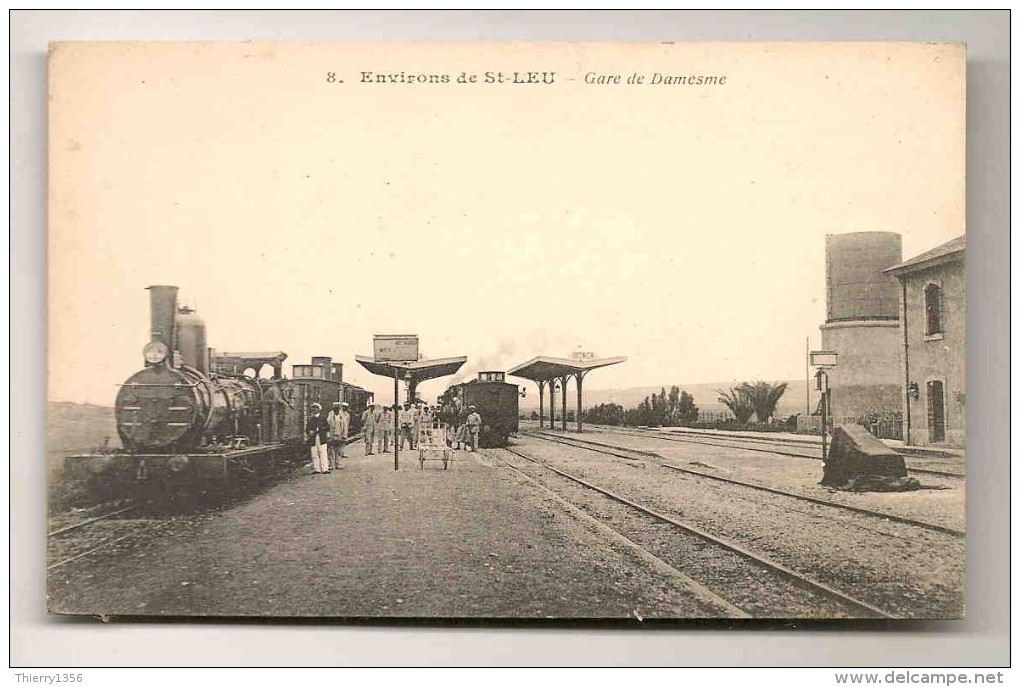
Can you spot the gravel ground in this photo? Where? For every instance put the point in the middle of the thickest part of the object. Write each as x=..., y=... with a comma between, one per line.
x=941, y=501
x=369, y=541
x=911, y=572
x=751, y=587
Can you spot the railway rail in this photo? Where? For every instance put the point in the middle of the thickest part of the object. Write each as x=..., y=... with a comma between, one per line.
x=755, y=585
x=609, y=449
x=83, y=523
x=91, y=546
x=748, y=444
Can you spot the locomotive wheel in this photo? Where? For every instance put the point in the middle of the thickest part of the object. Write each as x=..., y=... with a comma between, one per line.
x=101, y=488
x=215, y=491
x=151, y=493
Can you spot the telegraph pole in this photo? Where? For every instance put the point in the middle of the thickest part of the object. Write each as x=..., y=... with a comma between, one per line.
x=396, y=427
x=807, y=376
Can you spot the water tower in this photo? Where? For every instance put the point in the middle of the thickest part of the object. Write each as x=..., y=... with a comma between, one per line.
x=862, y=322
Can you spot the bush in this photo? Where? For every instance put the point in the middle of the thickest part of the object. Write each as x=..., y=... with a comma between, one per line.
x=604, y=414
x=734, y=426
x=790, y=423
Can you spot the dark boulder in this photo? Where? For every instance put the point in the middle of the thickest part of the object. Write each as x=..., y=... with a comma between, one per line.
x=857, y=461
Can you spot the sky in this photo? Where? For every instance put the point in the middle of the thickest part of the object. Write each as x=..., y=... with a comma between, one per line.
x=680, y=226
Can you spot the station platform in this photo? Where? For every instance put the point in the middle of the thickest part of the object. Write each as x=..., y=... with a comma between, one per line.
x=473, y=541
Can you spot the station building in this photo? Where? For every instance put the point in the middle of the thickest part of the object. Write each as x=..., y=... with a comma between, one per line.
x=933, y=301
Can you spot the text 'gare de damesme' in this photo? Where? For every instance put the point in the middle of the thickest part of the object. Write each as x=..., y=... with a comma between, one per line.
x=591, y=78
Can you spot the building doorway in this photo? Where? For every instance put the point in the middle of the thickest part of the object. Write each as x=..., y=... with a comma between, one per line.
x=936, y=412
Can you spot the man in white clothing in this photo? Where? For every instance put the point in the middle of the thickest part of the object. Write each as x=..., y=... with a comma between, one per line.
x=339, y=420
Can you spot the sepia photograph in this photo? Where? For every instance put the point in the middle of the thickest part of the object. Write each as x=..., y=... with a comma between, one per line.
x=507, y=331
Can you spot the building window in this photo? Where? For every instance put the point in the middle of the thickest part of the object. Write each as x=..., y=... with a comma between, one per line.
x=933, y=309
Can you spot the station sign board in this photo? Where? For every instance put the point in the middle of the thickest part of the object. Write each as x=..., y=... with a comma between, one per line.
x=395, y=348
x=583, y=355
x=823, y=358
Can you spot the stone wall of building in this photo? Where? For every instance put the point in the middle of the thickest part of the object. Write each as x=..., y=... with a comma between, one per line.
x=866, y=377
x=938, y=357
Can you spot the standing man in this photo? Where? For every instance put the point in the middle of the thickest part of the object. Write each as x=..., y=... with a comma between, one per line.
x=474, y=424
x=317, y=436
x=406, y=424
x=339, y=420
x=368, y=427
x=418, y=423
x=385, y=430
x=462, y=428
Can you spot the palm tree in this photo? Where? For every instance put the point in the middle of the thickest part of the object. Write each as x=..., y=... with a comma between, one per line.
x=737, y=400
x=763, y=398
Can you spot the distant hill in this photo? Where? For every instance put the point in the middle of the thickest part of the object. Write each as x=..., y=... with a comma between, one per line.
x=77, y=428
x=74, y=428
x=705, y=396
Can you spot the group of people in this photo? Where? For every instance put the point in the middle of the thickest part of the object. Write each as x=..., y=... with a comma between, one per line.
x=327, y=437
x=378, y=427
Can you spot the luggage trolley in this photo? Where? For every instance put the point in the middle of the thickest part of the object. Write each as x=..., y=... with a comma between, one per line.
x=432, y=444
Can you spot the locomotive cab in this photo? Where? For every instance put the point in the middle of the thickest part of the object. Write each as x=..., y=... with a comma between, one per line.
x=494, y=399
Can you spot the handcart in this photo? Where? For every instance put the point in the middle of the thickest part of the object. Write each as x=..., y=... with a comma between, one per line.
x=432, y=444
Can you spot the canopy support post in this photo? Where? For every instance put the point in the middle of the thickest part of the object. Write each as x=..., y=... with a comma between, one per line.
x=578, y=379
x=541, y=403
x=564, y=400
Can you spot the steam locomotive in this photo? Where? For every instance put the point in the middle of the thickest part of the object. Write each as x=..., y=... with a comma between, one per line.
x=496, y=401
x=194, y=420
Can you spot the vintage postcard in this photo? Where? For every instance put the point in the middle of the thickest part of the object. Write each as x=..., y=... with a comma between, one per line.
x=507, y=330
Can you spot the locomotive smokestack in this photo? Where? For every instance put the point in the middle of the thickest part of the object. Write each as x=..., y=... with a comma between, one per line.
x=164, y=311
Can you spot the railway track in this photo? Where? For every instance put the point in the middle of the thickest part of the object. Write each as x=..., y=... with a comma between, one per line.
x=66, y=550
x=609, y=449
x=753, y=444
x=107, y=516
x=745, y=583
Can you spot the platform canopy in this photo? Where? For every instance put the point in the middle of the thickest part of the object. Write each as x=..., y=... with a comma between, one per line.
x=412, y=372
x=543, y=368
x=546, y=370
